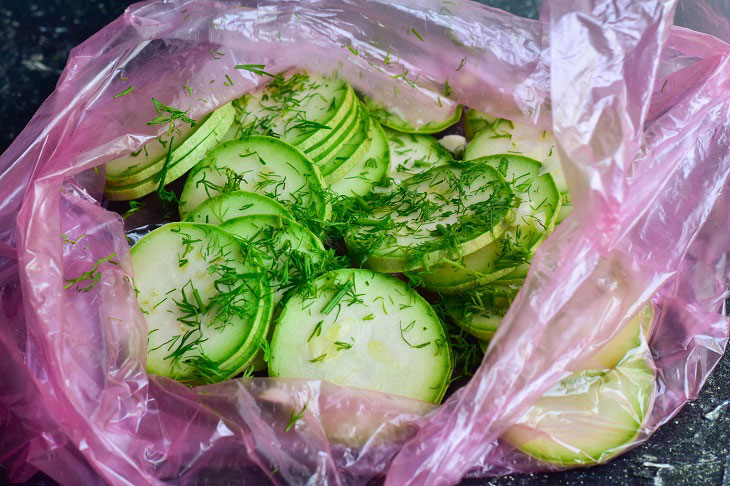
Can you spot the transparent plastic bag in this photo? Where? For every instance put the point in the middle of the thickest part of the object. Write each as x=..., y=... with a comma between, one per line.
x=641, y=112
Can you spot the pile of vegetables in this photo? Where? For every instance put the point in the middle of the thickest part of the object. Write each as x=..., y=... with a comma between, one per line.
x=323, y=237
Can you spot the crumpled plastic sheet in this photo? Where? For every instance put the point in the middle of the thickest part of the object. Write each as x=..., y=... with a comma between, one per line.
x=641, y=113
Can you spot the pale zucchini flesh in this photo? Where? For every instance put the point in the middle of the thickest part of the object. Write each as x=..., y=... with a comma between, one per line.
x=445, y=212
x=351, y=151
x=301, y=109
x=441, y=121
x=607, y=402
x=507, y=137
x=259, y=164
x=206, y=302
x=189, y=155
x=291, y=252
x=539, y=202
x=411, y=154
x=229, y=205
x=370, y=169
x=363, y=329
x=187, y=152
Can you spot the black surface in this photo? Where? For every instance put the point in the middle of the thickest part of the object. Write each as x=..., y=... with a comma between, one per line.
x=36, y=37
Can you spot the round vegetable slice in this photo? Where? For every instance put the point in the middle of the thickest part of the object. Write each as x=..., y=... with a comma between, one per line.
x=441, y=121
x=290, y=251
x=327, y=148
x=412, y=154
x=594, y=414
x=508, y=137
x=300, y=108
x=445, y=212
x=370, y=169
x=589, y=417
x=235, y=204
x=350, y=153
x=171, y=170
x=539, y=202
x=478, y=313
x=188, y=151
x=363, y=329
x=205, y=299
x=264, y=165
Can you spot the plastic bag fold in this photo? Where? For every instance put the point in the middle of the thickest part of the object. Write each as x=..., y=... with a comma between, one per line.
x=641, y=113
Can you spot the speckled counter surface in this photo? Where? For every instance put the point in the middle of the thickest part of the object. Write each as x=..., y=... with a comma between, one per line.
x=36, y=37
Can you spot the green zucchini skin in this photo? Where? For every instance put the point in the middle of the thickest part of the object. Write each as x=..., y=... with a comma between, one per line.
x=438, y=214
x=395, y=122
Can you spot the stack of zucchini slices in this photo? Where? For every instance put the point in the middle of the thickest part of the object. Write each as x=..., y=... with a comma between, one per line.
x=301, y=203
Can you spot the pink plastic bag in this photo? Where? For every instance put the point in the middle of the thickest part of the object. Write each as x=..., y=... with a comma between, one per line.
x=641, y=111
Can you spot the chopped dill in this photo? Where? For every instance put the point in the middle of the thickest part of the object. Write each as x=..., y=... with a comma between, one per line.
x=92, y=276
x=125, y=92
x=295, y=417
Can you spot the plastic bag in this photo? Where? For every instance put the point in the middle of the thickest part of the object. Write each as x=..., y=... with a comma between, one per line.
x=641, y=112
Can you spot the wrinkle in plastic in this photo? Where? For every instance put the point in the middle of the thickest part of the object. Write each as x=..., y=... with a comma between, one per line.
x=641, y=113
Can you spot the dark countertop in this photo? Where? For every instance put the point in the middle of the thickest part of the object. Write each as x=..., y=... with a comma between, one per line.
x=692, y=449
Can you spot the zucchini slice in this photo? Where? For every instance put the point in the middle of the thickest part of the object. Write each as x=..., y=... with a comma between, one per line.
x=206, y=301
x=290, y=251
x=326, y=150
x=301, y=109
x=370, y=169
x=188, y=155
x=235, y=204
x=441, y=121
x=539, y=203
x=508, y=137
x=412, y=154
x=363, y=329
x=594, y=414
x=478, y=313
x=185, y=154
x=336, y=167
x=445, y=212
x=264, y=165
x=476, y=121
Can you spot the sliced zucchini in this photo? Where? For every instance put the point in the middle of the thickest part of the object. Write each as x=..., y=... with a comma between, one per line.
x=235, y=204
x=539, y=202
x=594, y=414
x=442, y=119
x=478, y=313
x=149, y=155
x=336, y=167
x=363, y=329
x=351, y=417
x=445, y=212
x=453, y=275
x=590, y=417
x=412, y=154
x=186, y=153
x=328, y=148
x=290, y=251
x=507, y=137
x=264, y=165
x=476, y=121
x=370, y=169
x=206, y=301
x=301, y=109
x=456, y=144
